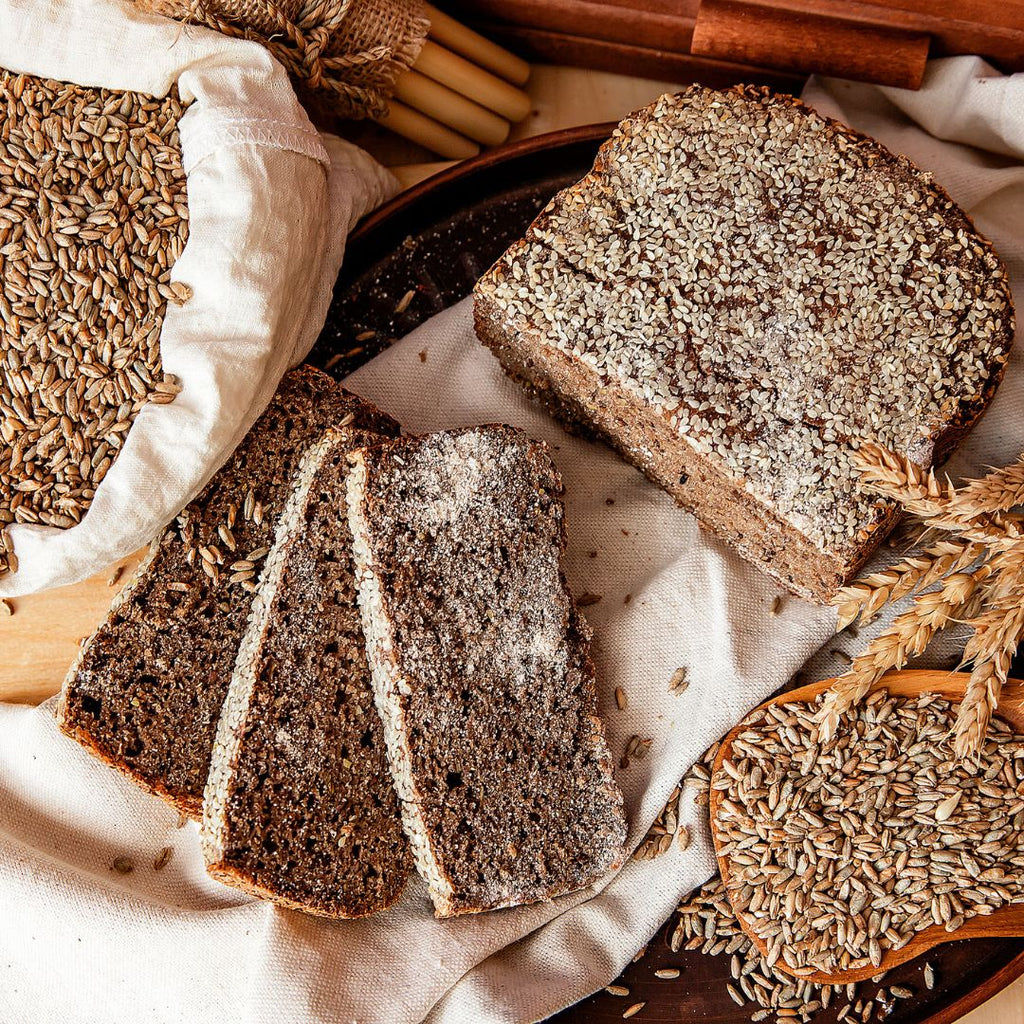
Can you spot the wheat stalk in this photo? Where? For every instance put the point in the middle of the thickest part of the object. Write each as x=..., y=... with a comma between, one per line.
x=997, y=631
x=909, y=634
x=894, y=476
x=998, y=491
x=871, y=593
x=990, y=599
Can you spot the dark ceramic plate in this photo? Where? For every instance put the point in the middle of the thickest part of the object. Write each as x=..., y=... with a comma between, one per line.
x=435, y=240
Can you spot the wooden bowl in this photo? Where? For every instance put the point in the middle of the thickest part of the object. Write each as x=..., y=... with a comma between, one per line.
x=1006, y=922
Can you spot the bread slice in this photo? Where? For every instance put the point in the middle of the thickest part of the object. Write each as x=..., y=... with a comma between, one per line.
x=738, y=295
x=299, y=807
x=481, y=668
x=146, y=690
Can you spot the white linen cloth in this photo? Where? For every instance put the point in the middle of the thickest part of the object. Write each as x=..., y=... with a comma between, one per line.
x=81, y=943
x=270, y=205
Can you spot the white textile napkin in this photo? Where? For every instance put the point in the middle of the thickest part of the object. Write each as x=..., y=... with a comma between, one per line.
x=81, y=943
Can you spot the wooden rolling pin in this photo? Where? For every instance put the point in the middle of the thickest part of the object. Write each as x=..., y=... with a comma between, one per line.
x=884, y=41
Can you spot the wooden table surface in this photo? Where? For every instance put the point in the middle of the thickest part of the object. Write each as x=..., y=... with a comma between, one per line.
x=38, y=641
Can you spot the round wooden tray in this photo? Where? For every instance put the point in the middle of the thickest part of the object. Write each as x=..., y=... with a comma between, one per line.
x=435, y=240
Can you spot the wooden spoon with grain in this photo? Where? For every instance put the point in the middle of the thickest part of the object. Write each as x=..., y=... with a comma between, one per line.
x=1006, y=922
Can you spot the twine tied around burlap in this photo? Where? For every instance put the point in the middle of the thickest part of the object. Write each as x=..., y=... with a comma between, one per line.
x=351, y=51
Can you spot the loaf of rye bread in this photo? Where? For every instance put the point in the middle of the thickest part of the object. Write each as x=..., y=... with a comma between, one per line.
x=481, y=668
x=738, y=295
x=146, y=690
x=299, y=806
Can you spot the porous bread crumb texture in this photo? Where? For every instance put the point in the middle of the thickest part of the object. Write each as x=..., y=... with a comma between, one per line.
x=765, y=289
x=481, y=668
x=146, y=690
x=299, y=806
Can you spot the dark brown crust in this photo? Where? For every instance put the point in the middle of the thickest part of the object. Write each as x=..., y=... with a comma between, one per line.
x=145, y=693
x=585, y=402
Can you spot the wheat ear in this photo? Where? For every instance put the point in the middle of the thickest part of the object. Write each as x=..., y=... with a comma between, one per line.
x=909, y=634
x=997, y=632
x=868, y=595
x=997, y=491
x=920, y=492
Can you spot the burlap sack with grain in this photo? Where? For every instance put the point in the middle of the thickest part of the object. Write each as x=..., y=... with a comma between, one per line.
x=270, y=205
x=344, y=56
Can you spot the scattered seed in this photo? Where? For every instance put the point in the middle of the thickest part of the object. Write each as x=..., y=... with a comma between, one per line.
x=667, y=973
x=679, y=681
x=616, y=990
x=7, y=605
x=163, y=858
x=929, y=976
x=403, y=302
x=587, y=598
x=639, y=955
x=123, y=865
x=115, y=576
x=620, y=698
x=634, y=1010
x=947, y=806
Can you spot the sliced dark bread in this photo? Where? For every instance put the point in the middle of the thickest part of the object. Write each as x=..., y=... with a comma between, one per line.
x=146, y=690
x=299, y=806
x=738, y=295
x=481, y=668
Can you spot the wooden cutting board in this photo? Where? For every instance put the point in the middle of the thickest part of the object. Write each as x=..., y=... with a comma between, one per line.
x=39, y=635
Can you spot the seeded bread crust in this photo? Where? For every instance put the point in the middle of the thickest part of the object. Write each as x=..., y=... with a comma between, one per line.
x=731, y=300
x=481, y=669
x=145, y=693
x=299, y=807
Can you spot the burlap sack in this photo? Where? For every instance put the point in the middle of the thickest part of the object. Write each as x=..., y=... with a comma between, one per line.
x=350, y=51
